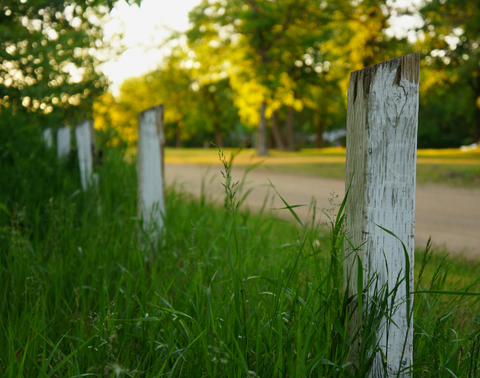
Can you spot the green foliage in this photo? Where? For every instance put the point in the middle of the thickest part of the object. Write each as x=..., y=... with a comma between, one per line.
x=291, y=54
x=31, y=174
x=273, y=49
x=445, y=119
x=450, y=42
x=195, y=112
x=296, y=56
x=49, y=56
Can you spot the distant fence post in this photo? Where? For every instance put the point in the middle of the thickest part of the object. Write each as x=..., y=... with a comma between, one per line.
x=83, y=136
x=382, y=121
x=63, y=141
x=151, y=141
x=47, y=137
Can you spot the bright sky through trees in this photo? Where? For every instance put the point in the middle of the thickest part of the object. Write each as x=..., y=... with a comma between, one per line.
x=146, y=27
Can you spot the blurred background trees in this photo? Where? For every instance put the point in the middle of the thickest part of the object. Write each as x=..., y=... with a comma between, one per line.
x=49, y=57
x=294, y=55
x=451, y=60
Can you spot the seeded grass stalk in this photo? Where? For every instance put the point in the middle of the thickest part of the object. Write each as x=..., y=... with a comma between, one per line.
x=229, y=293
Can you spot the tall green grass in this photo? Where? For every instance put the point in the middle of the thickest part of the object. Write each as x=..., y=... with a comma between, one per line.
x=228, y=294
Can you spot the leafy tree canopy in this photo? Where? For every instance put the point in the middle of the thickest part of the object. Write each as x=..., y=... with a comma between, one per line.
x=195, y=107
x=450, y=40
x=49, y=56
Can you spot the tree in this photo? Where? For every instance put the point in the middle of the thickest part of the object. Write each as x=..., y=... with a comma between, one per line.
x=214, y=112
x=116, y=119
x=445, y=115
x=293, y=54
x=265, y=39
x=450, y=39
x=196, y=111
x=168, y=85
x=48, y=56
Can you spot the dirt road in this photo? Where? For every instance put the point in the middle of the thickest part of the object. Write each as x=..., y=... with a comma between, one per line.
x=450, y=216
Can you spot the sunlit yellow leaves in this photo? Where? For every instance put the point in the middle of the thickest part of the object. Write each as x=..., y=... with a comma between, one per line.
x=277, y=29
x=108, y=113
x=248, y=98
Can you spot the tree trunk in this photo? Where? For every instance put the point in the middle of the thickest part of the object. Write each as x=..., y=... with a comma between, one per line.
x=262, y=133
x=290, y=129
x=319, y=140
x=218, y=134
x=476, y=119
x=476, y=128
x=178, y=136
x=215, y=114
x=382, y=123
x=276, y=132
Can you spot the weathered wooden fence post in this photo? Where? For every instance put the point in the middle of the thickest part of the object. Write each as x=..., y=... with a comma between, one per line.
x=151, y=141
x=83, y=135
x=63, y=141
x=47, y=137
x=382, y=120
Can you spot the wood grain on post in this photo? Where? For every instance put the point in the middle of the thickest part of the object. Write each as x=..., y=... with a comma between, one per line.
x=382, y=121
x=63, y=141
x=83, y=137
x=151, y=143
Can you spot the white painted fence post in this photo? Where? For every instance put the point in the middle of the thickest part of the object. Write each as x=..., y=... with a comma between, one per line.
x=84, y=146
x=382, y=120
x=63, y=141
x=47, y=137
x=151, y=201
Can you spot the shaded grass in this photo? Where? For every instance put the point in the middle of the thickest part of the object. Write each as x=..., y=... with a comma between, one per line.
x=228, y=294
